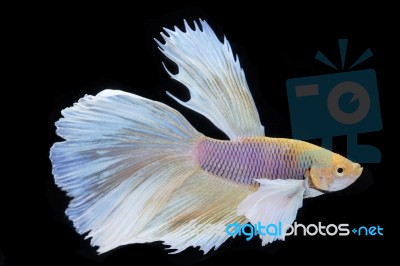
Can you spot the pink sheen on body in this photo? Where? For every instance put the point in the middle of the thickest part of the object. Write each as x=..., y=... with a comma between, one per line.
x=245, y=159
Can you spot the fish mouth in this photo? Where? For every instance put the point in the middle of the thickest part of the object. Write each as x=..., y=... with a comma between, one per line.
x=357, y=170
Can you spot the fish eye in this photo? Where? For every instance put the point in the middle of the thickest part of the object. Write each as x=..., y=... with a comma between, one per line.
x=339, y=171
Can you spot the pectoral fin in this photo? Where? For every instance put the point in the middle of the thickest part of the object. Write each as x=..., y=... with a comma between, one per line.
x=275, y=201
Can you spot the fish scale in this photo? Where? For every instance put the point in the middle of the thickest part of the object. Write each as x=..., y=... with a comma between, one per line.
x=246, y=159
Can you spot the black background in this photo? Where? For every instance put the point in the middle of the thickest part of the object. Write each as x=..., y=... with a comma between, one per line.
x=88, y=49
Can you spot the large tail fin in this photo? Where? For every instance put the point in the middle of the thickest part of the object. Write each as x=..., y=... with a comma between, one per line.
x=129, y=165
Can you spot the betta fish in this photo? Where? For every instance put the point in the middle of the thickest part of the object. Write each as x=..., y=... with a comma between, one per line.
x=138, y=172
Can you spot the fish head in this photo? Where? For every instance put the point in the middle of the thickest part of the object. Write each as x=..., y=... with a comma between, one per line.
x=332, y=172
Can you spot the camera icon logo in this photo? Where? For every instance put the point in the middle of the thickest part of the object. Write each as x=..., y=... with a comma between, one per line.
x=344, y=103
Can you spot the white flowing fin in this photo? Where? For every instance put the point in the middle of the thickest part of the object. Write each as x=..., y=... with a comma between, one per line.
x=198, y=213
x=217, y=83
x=130, y=166
x=123, y=157
x=276, y=201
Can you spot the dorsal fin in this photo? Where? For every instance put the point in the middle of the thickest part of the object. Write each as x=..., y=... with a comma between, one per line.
x=217, y=84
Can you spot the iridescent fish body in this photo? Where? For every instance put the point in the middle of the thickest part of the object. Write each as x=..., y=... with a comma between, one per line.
x=247, y=159
x=138, y=172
